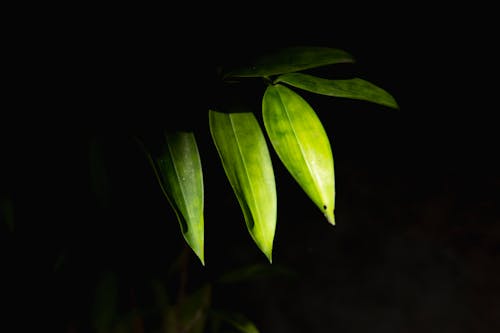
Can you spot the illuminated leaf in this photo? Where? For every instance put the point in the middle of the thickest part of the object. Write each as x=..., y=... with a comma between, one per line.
x=292, y=59
x=246, y=160
x=302, y=144
x=178, y=169
x=355, y=88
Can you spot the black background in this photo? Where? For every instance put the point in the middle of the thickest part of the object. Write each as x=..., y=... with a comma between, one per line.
x=416, y=245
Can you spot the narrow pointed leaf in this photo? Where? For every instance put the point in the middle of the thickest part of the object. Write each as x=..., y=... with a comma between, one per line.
x=302, y=144
x=292, y=59
x=178, y=169
x=355, y=88
x=242, y=148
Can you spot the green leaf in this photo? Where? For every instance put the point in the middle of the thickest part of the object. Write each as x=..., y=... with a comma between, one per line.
x=245, y=157
x=190, y=314
x=178, y=169
x=292, y=59
x=355, y=88
x=236, y=320
x=193, y=310
x=302, y=144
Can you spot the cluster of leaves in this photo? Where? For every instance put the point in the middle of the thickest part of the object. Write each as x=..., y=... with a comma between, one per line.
x=293, y=129
x=182, y=309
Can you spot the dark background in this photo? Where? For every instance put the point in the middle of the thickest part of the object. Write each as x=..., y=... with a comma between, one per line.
x=416, y=245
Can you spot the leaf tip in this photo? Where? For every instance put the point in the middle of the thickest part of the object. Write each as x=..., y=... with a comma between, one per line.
x=330, y=217
x=200, y=255
x=267, y=251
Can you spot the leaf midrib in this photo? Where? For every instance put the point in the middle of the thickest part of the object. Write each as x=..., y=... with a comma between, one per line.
x=302, y=155
x=256, y=207
x=180, y=183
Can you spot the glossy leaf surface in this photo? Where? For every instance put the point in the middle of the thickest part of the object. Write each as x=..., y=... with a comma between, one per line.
x=355, y=88
x=179, y=171
x=302, y=144
x=245, y=157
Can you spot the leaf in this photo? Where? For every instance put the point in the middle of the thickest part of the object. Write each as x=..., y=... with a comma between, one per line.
x=178, y=169
x=193, y=310
x=189, y=315
x=236, y=320
x=302, y=144
x=355, y=88
x=245, y=157
x=291, y=59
